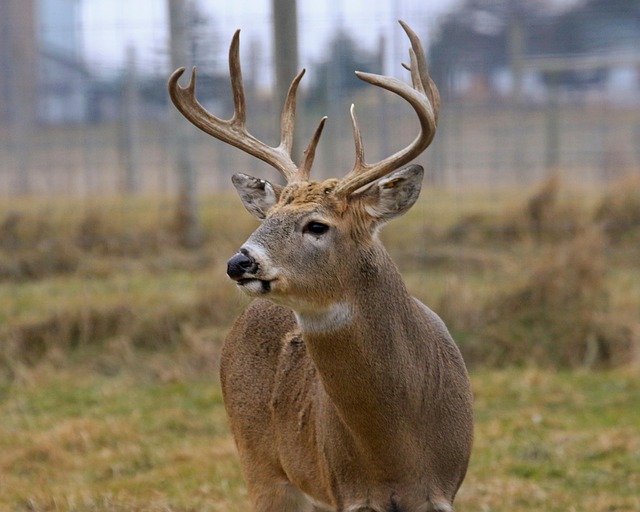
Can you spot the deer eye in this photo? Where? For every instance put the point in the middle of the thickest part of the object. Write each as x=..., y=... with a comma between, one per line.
x=316, y=228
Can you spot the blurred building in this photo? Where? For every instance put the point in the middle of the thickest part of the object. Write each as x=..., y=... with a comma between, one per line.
x=42, y=75
x=64, y=79
x=525, y=49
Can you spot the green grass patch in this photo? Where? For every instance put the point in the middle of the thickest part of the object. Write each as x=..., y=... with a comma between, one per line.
x=555, y=441
x=81, y=442
x=75, y=441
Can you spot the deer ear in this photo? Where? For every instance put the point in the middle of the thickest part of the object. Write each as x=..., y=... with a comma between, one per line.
x=257, y=195
x=393, y=195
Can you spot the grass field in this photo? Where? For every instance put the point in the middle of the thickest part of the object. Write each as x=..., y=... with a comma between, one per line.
x=77, y=441
x=110, y=334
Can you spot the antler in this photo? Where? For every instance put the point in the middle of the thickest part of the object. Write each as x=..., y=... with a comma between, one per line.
x=233, y=131
x=425, y=100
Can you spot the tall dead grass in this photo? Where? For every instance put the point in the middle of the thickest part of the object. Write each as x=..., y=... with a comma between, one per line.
x=559, y=316
x=619, y=210
x=557, y=309
x=552, y=305
x=99, y=245
x=543, y=217
x=190, y=331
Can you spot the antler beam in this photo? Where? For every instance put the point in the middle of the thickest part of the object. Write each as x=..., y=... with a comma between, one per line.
x=423, y=96
x=233, y=131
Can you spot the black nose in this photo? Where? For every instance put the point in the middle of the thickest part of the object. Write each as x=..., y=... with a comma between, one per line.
x=241, y=264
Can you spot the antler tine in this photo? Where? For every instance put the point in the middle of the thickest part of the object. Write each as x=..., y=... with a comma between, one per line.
x=287, y=124
x=357, y=139
x=288, y=116
x=422, y=96
x=310, y=152
x=237, y=84
x=420, y=70
x=233, y=131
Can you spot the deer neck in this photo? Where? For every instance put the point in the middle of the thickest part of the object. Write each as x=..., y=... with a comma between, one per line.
x=374, y=295
x=358, y=344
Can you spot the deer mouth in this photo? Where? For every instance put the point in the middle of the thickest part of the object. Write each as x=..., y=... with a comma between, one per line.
x=254, y=286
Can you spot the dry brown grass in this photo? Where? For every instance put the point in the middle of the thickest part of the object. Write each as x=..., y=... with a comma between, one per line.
x=559, y=315
x=548, y=213
x=557, y=300
x=108, y=362
x=531, y=282
x=619, y=210
x=77, y=441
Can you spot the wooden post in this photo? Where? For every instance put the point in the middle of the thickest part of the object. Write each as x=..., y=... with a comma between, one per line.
x=130, y=125
x=285, y=39
x=188, y=219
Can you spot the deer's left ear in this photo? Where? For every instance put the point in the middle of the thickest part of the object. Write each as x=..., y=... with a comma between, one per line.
x=257, y=195
x=393, y=195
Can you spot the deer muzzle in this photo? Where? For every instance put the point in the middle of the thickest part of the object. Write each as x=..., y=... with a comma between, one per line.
x=242, y=266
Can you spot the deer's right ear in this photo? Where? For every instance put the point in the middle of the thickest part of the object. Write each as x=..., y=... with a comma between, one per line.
x=257, y=195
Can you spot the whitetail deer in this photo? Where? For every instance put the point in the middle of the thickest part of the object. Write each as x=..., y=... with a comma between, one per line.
x=343, y=392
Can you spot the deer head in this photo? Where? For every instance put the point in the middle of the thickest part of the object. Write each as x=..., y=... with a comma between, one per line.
x=310, y=229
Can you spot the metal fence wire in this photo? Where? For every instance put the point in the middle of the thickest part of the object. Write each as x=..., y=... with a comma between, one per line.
x=528, y=88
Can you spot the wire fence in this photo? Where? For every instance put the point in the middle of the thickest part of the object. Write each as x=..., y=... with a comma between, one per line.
x=507, y=120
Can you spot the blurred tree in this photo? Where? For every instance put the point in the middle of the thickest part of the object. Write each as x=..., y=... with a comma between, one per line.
x=203, y=48
x=335, y=75
x=592, y=26
x=480, y=36
x=595, y=25
x=483, y=36
x=203, y=40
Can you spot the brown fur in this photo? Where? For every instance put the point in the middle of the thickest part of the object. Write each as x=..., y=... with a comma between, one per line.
x=375, y=414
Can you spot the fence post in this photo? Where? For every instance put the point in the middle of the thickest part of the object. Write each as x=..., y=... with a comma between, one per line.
x=130, y=125
x=188, y=219
x=285, y=38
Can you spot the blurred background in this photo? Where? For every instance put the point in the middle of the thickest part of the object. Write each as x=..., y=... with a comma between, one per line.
x=529, y=87
x=117, y=219
x=533, y=196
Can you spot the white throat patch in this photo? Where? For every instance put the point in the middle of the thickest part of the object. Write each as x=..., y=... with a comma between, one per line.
x=330, y=319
